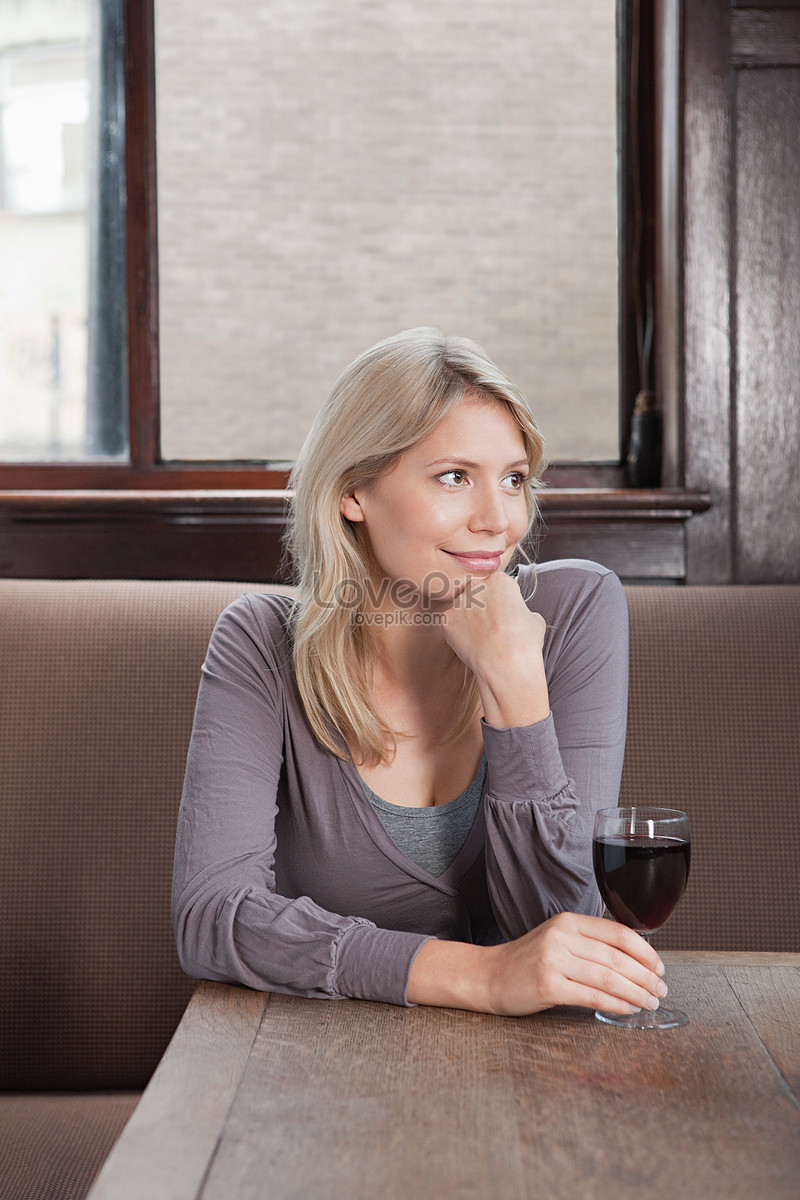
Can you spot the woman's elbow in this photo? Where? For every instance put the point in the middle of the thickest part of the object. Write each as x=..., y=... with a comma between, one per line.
x=192, y=943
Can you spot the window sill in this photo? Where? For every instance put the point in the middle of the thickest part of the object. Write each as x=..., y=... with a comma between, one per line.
x=229, y=533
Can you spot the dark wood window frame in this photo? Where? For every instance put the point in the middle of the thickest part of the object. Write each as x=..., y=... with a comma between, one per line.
x=153, y=519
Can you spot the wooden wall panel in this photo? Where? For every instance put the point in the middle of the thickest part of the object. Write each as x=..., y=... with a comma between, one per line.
x=705, y=365
x=739, y=266
x=767, y=324
x=765, y=38
x=238, y=535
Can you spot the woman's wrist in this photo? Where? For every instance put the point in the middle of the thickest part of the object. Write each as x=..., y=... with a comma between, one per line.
x=515, y=701
x=452, y=975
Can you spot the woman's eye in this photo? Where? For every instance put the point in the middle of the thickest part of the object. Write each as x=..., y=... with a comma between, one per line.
x=452, y=478
x=516, y=479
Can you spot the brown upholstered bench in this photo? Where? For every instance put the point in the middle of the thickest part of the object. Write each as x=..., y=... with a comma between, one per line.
x=713, y=718
x=99, y=681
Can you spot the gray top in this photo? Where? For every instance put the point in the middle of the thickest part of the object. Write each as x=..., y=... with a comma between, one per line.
x=285, y=878
x=431, y=837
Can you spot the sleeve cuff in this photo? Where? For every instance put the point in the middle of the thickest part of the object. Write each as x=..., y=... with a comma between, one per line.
x=374, y=964
x=524, y=763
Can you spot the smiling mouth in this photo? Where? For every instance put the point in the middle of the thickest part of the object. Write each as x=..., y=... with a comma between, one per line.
x=485, y=560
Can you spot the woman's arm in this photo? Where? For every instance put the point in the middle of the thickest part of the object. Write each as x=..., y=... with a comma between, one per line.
x=555, y=713
x=547, y=778
x=230, y=924
x=500, y=639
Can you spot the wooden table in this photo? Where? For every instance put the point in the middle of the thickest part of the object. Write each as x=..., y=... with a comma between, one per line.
x=281, y=1098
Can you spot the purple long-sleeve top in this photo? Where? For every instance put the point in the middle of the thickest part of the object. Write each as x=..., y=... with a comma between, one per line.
x=286, y=880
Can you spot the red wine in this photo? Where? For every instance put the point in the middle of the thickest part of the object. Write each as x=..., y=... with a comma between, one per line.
x=641, y=879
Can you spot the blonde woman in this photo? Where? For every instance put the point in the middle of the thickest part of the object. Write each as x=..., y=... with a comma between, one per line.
x=392, y=780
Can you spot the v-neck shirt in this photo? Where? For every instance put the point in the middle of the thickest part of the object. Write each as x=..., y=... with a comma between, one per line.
x=431, y=837
x=285, y=878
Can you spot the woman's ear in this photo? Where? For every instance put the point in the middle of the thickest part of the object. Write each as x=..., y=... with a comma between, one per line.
x=351, y=508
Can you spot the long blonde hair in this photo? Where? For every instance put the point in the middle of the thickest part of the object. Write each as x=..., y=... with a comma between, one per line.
x=389, y=399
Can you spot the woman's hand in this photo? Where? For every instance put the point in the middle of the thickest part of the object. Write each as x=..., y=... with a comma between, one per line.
x=573, y=959
x=493, y=632
x=570, y=959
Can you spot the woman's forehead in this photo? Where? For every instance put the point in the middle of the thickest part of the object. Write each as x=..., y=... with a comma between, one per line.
x=478, y=423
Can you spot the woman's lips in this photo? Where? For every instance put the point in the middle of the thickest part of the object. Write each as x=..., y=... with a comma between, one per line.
x=478, y=560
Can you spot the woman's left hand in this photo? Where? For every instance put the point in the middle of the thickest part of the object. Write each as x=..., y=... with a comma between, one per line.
x=493, y=632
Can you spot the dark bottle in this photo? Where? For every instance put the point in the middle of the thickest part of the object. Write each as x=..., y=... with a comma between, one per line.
x=644, y=452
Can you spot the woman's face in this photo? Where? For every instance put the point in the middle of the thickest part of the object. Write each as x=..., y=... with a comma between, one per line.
x=452, y=507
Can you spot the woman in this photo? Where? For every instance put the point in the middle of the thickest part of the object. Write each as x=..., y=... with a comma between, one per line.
x=392, y=782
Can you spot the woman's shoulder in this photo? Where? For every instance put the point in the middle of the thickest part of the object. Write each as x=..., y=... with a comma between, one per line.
x=566, y=585
x=260, y=619
x=267, y=605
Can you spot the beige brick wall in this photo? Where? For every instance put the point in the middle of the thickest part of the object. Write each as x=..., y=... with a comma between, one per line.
x=333, y=171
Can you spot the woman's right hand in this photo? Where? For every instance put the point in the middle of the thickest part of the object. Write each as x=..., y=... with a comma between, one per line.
x=570, y=959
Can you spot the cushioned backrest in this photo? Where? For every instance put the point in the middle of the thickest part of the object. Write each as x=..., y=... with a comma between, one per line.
x=98, y=689
x=713, y=729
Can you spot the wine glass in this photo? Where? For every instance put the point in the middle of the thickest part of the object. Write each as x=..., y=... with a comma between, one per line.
x=641, y=863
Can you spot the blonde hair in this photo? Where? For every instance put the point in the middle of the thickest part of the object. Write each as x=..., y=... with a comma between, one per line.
x=389, y=399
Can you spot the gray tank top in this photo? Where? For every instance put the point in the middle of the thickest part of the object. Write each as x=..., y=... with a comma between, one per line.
x=431, y=837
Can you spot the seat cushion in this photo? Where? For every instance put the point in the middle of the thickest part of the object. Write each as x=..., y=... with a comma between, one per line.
x=52, y=1147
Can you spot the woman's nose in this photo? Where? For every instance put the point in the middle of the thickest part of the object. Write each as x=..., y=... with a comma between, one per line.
x=489, y=513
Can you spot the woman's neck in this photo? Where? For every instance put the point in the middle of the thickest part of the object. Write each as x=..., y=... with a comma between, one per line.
x=414, y=657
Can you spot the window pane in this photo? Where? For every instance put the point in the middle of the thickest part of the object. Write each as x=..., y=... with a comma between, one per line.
x=63, y=393
x=331, y=173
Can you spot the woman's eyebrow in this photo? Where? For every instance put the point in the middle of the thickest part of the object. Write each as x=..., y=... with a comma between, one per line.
x=454, y=461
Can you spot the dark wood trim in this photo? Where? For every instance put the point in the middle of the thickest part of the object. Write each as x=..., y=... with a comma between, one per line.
x=767, y=38
x=763, y=4
x=628, y=504
x=765, y=119
x=560, y=475
x=707, y=233
x=107, y=476
x=636, y=99
x=628, y=354
x=241, y=505
x=238, y=535
x=142, y=227
x=668, y=348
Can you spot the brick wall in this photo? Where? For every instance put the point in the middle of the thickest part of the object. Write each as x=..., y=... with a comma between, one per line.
x=333, y=171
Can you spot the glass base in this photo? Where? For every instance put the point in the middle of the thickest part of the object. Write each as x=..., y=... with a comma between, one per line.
x=661, y=1018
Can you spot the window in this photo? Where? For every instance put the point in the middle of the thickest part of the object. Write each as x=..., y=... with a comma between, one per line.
x=63, y=386
x=100, y=494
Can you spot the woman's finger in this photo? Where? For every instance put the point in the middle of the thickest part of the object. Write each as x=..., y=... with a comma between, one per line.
x=621, y=938
x=610, y=983
x=582, y=996
x=609, y=959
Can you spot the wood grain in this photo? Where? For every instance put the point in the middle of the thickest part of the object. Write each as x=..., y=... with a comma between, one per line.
x=767, y=366
x=358, y=1100
x=771, y=999
x=172, y=1135
x=768, y=38
x=706, y=284
x=733, y=958
x=287, y=1098
x=236, y=532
